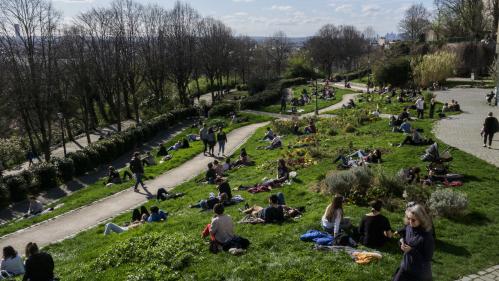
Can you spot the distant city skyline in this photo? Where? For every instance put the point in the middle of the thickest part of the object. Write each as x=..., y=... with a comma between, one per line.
x=297, y=18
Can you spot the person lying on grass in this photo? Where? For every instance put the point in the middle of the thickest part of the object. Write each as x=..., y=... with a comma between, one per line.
x=137, y=220
x=374, y=228
x=176, y=146
x=35, y=208
x=163, y=195
x=415, y=138
x=274, y=213
x=208, y=204
x=364, y=158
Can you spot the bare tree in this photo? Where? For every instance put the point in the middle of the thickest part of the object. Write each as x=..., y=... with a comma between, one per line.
x=463, y=18
x=32, y=58
x=244, y=48
x=278, y=49
x=415, y=22
x=181, y=34
x=323, y=48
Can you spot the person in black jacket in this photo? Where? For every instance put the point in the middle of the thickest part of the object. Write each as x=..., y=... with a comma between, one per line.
x=375, y=228
x=39, y=265
x=418, y=245
x=490, y=127
x=138, y=170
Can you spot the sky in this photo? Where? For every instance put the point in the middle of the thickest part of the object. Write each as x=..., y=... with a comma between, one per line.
x=296, y=18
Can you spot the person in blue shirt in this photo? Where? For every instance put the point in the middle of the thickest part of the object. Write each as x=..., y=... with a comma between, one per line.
x=405, y=127
x=157, y=215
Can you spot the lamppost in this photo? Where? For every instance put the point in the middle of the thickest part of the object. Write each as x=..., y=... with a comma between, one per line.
x=61, y=120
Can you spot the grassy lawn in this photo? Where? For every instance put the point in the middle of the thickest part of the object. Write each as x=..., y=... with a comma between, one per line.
x=275, y=108
x=98, y=190
x=175, y=251
x=476, y=83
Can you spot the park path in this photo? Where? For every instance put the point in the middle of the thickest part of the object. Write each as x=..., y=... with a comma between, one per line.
x=16, y=210
x=73, y=222
x=73, y=146
x=322, y=112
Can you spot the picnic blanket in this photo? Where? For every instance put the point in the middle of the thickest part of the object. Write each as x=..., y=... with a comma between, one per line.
x=359, y=256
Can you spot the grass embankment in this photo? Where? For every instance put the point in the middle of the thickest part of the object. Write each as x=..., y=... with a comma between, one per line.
x=310, y=107
x=174, y=250
x=98, y=190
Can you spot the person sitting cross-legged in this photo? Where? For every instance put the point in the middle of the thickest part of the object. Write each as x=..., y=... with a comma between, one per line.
x=269, y=135
x=274, y=213
x=375, y=228
x=11, y=264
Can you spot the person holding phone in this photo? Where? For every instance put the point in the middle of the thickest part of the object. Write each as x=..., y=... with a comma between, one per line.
x=418, y=246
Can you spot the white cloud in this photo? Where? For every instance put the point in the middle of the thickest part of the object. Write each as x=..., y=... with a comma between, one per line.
x=245, y=1
x=370, y=10
x=345, y=8
x=281, y=8
x=75, y=1
x=240, y=14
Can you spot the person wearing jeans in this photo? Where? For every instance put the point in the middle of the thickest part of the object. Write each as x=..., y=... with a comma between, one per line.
x=222, y=140
x=138, y=170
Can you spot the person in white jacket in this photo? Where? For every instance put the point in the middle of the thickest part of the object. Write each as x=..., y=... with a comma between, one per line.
x=331, y=220
x=420, y=107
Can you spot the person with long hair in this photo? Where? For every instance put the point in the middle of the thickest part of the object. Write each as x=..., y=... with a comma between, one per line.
x=418, y=245
x=333, y=216
x=39, y=265
x=11, y=264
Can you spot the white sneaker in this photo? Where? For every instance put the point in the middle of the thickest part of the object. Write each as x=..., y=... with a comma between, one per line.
x=484, y=145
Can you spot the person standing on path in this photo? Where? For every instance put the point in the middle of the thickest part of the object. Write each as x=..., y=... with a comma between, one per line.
x=490, y=127
x=211, y=138
x=138, y=170
x=283, y=102
x=420, y=107
x=433, y=103
x=222, y=140
x=203, y=134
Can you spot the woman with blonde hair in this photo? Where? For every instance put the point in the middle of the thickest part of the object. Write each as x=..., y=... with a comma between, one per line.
x=333, y=216
x=418, y=246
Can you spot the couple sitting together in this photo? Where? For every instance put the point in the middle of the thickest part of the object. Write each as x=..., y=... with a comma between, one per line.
x=139, y=217
x=362, y=159
x=276, y=212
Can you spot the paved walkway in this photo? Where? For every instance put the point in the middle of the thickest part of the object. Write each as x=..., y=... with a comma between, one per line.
x=72, y=146
x=16, y=210
x=463, y=132
x=73, y=222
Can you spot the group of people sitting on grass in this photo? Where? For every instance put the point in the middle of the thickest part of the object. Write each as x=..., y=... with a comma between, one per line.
x=36, y=266
x=139, y=217
x=274, y=139
x=210, y=137
x=309, y=129
x=358, y=158
x=417, y=237
x=452, y=106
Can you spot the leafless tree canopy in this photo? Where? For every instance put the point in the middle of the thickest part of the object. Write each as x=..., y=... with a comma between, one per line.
x=415, y=22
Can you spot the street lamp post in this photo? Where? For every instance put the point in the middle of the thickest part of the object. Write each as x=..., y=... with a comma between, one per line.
x=316, y=97
x=61, y=120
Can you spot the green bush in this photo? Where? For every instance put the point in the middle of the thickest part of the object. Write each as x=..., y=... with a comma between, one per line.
x=448, y=203
x=353, y=184
x=395, y=72
x=257, y=84
x=242, y=87
x=392, y=185
x=45, y=175
x=16, y=187
x=223, y=109
x=11, y=151
x=4, y=196
x=81, y=162
x=416, y=193
x=65, y=168
x=271, y=94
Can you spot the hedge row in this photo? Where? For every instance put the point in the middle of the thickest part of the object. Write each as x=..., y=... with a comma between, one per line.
x=223, y=109
x=271, y=94
x=44, y=176
x=351, y=75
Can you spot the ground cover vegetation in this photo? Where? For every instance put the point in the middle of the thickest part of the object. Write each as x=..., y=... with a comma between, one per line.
x=174, y=250
x=99, y=190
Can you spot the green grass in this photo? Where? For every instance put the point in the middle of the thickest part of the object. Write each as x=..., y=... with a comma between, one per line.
x=476, y=83
x=361, y=80
x=98, y=190
x=275, y=108
x=464, y=246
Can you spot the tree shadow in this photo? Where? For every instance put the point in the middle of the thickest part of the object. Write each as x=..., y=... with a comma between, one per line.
x=474, y=218
x=451, y=249
x=472, y=178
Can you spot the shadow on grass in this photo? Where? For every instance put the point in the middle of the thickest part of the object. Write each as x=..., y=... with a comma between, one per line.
x=468, y=178
x=451, y=249
x=473, y=218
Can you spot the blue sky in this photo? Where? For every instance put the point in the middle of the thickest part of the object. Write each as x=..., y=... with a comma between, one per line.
x=294, y=17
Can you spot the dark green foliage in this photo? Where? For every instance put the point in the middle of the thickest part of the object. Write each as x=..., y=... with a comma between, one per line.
x=351, y=75
x=256, y=85
x=395, y=72
x=4, y=195
x=45, y=175
x=16, y=187
x=81, y=162
x=242, y=87
x=65, y=168
x=223, y=109
x=271, y=94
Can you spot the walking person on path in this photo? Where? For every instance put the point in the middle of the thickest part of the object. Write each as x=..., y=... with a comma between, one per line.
x=203, y=135
x=283, y=102
x=222, y=140
x=420, y=107
x=30, y=156
x=138, y=170
x=433, y=103
x=490, y=127
x=211, y=141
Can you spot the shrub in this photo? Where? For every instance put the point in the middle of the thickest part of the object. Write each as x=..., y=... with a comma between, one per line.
x=448, y=203
x=4, y=195
x=256, y=85
x=417, y=193
x=393, y=185
x=16, y=187
x=65, y=168
x=271, y=94
x=45, y=175
x=223, y=109
x=81, y=162
x=242, y=87
x=11, y=151
x=395, y=72
x=353, y=184
x=332, y=132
